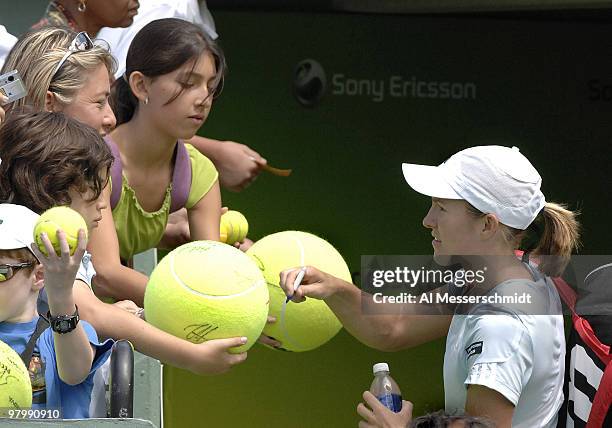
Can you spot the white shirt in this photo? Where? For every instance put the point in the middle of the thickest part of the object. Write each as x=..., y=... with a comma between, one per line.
x=119, y=39
x=519, y=355
x=86, y=270
x=7, y=41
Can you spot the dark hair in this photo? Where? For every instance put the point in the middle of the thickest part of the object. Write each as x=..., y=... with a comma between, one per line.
x=440, y=419
x=44, y=155
x=159, y=48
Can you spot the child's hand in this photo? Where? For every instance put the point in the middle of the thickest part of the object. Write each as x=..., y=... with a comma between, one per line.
x=244, y=245
x=212, y=357
x=129, y=306
x=267, y=340
x=177, y=230
x=60, y=271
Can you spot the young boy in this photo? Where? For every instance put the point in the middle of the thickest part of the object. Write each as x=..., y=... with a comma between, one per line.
x=62, y=352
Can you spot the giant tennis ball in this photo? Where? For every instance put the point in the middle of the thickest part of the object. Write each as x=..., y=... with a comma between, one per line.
x=63, y=218
x=208, y=290
x=15, y=386
x=234, y=227
x=299, y=326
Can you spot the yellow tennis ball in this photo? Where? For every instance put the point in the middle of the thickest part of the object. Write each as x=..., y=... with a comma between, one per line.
x=234, y=227
x=208, y=290
x=63, y=218
x=309, y=324
x=15, y=386
x=223, y=231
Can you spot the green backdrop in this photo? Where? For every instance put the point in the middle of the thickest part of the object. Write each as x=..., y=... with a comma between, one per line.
x=532, y=84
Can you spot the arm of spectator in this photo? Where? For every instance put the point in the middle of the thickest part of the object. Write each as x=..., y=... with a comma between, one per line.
x=73, y=352
x=207, y=358
x=204, y=217
x=238, y=164
x=112, y=278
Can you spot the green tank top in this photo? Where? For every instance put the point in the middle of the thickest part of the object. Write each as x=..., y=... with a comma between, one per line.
x=139, y=230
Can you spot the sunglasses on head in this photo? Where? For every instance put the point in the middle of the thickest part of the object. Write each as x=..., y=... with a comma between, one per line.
x=82, y=42
x=7, y=271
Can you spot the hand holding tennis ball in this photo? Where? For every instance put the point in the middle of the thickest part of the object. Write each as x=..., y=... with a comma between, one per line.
x=59, y=218
x=234, y=227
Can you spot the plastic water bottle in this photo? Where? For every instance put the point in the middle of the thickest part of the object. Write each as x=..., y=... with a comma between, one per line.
x=385, y=389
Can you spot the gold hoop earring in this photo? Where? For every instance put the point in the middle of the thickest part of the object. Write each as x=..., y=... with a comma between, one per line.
x=82, y=7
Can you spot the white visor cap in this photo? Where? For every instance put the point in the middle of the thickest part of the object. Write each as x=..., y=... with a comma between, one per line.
x=494, y=179
x=16, y=226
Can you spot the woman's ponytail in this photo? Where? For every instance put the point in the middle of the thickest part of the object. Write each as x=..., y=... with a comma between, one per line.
x=559, y=237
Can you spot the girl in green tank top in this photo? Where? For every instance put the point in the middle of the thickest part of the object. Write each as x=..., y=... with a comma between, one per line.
x=173, y=72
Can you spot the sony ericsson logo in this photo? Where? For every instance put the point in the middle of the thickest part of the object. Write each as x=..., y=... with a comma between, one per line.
x=309, y=82
x=474, y=349
x=310, y=85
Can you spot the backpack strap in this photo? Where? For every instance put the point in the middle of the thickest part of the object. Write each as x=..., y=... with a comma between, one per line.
x=116, y=172
x=181, y=178
x=28, y=352
x=582, y=326
x=567, y=294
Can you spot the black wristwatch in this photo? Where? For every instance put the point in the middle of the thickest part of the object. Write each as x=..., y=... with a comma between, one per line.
x=64, y=323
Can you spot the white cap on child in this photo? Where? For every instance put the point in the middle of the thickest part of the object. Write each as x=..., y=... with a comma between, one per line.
x=16, y=226
x=494, y=179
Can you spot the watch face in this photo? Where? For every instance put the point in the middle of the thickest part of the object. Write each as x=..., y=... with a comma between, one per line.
x=63, y=323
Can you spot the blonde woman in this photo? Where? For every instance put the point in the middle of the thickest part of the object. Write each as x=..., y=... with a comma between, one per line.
x=65, y=72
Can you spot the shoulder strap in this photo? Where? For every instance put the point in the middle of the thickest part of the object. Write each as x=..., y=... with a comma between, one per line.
x=26, y=355
x=43, y=302
x=567, y=293
x=116, y=172
x=582, y=326
x=181, y=178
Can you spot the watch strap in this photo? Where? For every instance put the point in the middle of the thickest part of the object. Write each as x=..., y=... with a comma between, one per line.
x=63, y=323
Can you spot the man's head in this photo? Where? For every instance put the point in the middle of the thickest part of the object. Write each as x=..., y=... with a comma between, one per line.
x=20, y=272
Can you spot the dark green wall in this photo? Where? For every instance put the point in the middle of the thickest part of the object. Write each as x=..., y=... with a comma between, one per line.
x=532, y=90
